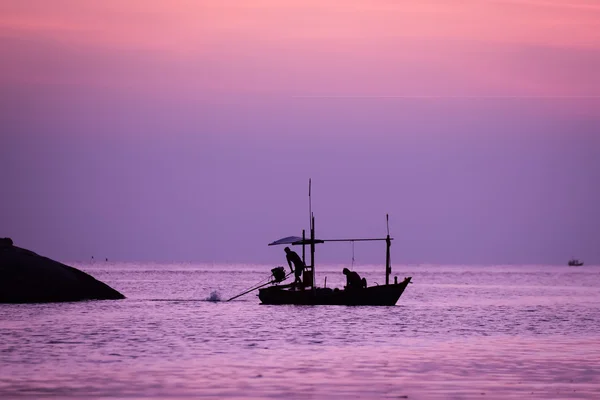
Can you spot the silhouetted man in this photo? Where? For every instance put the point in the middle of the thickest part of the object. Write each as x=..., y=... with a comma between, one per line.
x=353, y=280
x=293, y=258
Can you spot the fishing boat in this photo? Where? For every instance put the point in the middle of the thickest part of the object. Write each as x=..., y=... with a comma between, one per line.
x=276, y=292
x=575, y=263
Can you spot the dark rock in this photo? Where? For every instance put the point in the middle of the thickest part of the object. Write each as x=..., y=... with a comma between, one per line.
x=26, y=277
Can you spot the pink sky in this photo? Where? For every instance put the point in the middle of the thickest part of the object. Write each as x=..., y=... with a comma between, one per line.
x=178, y=130
x=479, y=47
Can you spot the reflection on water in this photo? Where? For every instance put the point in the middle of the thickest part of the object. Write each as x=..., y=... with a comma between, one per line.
x=457, y=332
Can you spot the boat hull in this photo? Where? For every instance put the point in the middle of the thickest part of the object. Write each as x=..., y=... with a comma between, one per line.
x=384, y=295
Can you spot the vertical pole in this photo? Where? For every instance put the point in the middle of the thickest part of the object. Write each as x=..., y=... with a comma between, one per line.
x=388, y=243
x=312, y=248
x=388, y=267
x=311, y=221
x=303, y=246
x=309, y=205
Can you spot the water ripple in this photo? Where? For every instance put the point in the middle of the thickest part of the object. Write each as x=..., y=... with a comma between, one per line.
x=457, y=333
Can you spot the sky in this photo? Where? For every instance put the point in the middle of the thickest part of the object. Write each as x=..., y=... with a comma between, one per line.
x=176, y=131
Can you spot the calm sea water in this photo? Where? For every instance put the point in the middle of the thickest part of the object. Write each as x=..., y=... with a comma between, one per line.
x=456, y=333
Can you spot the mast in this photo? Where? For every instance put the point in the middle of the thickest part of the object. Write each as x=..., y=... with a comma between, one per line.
x=312, y=233
x=309, y=205
x=312, y=249
x=311, y=220
x=388, y=243
x=303, y=246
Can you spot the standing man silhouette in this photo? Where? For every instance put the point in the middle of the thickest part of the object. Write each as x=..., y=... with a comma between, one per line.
x=293, y=258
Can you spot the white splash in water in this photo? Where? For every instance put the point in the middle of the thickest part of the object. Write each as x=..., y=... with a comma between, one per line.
x=214, y=296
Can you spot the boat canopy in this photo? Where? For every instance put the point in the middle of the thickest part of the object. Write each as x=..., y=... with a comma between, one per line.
x=297, y=240
x=294, y=240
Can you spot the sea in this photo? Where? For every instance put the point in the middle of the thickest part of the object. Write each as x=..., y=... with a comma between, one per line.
x=457, y=332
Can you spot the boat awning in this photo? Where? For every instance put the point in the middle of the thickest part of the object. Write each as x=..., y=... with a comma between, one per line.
x=294, y=240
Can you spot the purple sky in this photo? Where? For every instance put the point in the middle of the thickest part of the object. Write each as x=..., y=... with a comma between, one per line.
x=482, y=150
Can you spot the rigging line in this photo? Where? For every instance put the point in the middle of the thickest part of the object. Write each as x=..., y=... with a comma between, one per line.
x=262, y=280
x=256, y=284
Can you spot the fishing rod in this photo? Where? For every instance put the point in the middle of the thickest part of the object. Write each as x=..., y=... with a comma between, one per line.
x=250, y=290
x=262, y=285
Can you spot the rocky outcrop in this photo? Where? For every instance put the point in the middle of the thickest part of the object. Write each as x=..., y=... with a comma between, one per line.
x=26, y=277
